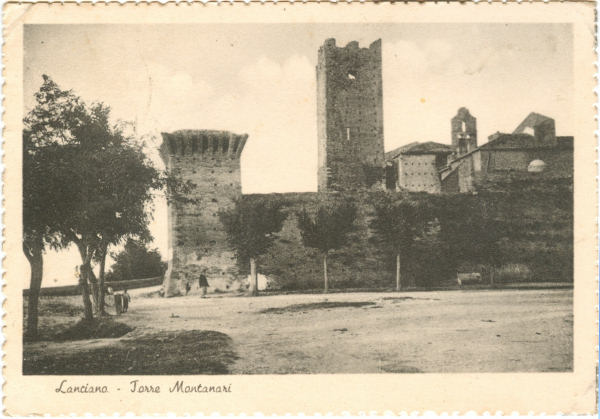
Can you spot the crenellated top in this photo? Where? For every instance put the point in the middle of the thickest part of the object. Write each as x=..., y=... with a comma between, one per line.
x=330, y=45
x=203, y=143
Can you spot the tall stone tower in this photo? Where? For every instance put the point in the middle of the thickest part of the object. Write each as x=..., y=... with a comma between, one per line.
x=350, y=116
x=464, y=132
x=197, y=240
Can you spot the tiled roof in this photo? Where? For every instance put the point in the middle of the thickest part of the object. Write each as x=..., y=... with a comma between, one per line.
x=392, y=154
x=429, y=147
x=516, y=141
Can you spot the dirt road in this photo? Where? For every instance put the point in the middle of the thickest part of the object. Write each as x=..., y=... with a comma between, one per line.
x=449, y=331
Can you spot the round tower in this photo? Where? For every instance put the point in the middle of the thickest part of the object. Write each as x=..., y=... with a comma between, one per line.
x=197, y=241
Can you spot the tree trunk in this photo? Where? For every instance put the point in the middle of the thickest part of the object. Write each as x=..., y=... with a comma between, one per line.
x=253, y=278
x=93, y=283
x=326, y=287
x=492, y=272
x=85, y=295
x=398, y=284
x=101, y=281
x=84, y=272
x=36, y=260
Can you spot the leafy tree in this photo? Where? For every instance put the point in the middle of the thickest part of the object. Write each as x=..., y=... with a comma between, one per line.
x=42, y=212
x=251, y=226
x=470, y=230
x=45, y=203
x=100, y=175
x=397, y=223
x=136, y=261
x=328, y=229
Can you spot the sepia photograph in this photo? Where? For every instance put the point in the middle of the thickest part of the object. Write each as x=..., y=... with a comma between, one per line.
x=299, y=208
x=298, y=198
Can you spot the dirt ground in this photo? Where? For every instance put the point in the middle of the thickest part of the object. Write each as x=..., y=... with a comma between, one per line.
x=445, y=331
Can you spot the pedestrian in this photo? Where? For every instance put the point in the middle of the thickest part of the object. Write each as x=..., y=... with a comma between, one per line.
x=188, y=287
x=118, y=303
x=108, y=296
x=126, y=299
x=203, y=283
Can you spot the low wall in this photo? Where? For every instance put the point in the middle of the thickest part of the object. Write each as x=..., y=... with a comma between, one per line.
x=116, y=285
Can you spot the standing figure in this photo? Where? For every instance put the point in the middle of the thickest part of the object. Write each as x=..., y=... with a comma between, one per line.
x=188, y=287
x=118, y=303
x=109, y=296
x=203, y=283
x=126, y=299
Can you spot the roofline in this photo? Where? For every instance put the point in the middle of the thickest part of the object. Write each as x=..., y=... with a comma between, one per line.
x=426, y=152
x=485, y=146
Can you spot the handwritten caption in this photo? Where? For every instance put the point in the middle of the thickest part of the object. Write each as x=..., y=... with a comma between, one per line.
x=137, y=386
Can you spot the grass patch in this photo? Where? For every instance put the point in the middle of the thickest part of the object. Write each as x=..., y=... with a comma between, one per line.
x=315, y=306
x=164, y=353
x=97, y=328
x=54, y=308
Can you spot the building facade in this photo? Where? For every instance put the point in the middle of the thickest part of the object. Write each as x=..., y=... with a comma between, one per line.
x=349, y=116
x=534, y=139
x=416, y=167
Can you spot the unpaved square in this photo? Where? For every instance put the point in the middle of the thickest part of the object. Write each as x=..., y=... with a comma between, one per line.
x=445, y=331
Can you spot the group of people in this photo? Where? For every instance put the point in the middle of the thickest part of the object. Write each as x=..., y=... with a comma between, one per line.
x=121, y=300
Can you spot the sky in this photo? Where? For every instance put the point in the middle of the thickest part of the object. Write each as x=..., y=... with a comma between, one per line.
x=260, y=79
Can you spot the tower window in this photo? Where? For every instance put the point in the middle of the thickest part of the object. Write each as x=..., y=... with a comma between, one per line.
x=347, y=133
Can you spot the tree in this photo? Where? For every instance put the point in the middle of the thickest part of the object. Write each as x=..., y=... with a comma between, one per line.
x=136, y=261
x=45, y=203
x=42, y=212
x=397, y=223
x=470, y=230
x=251, y=226
x=328, y=229
x=103, y=178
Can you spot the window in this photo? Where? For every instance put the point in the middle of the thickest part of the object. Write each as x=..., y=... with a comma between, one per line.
x=529, y=130
x=347, y=133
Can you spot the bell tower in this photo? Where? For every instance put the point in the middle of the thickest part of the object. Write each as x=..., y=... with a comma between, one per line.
x=464, y=132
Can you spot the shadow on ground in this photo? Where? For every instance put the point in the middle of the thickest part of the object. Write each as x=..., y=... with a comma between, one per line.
x=315, y=306
x=97, y=328
x=164, y=353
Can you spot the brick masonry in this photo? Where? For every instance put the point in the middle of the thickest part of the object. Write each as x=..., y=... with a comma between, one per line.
x=197, y=240
x=349, y=116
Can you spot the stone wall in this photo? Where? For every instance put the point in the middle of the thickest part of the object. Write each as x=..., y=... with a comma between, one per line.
x=197, y=240
x=558, y=160
x=349, y=116
x=360, y=263
x=464, y=173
